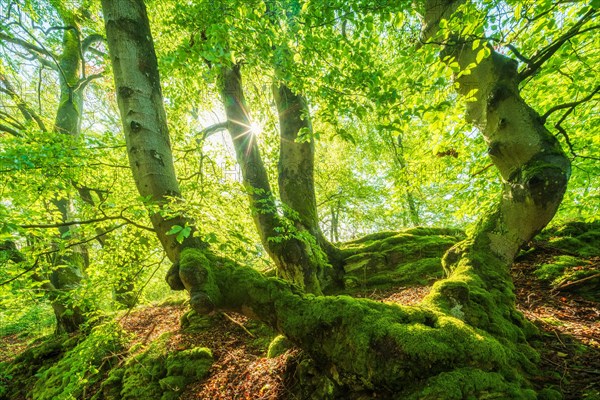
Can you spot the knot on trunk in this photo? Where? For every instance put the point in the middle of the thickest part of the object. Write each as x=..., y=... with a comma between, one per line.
x=198, y=278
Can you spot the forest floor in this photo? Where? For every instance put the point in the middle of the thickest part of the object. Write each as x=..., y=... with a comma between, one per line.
x=569, y=341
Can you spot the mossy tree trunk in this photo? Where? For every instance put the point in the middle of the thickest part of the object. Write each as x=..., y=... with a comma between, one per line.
x=534, y=171
x=298, y=260
x=70, y=267
x=465, y=340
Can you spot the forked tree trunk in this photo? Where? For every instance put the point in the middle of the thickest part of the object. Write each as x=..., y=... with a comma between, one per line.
x=298, y=260
x=466, y=340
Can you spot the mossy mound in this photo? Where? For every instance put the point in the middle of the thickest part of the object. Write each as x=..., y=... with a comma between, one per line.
x=577, y=268
x=82, y=366
x=18, y=377
x=156, y=373
x=581, y=239
x=409, y=257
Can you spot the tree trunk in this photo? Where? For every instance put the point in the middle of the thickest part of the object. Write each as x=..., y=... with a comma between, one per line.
x=144, y=121
x=296, y=173
x=297, y=259
x=68, y=122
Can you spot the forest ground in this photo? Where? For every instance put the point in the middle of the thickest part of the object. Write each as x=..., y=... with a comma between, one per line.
x=569, y=342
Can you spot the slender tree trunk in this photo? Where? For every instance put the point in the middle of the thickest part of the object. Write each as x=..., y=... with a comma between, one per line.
x=68, y=122
x=297, y=260
x=296, y=172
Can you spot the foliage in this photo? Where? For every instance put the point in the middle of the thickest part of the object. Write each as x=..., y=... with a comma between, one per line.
x=81, y=366
x=392, y=152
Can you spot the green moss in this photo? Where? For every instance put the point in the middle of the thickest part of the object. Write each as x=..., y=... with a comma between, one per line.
x=555, y=271
x=408, y=257
x=278, y=346
x=196, y=273
x=157, y=373
x=575, y=238
x=191, y=321
x=81, y=366
x=19, y=376
x=472, y=384
x=366, y=344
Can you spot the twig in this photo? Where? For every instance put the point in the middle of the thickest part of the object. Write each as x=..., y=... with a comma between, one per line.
x=567, y=285
x=543, y=55
x=238, y=324
x=571, y=104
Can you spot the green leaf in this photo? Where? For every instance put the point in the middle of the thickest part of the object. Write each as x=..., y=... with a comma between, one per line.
x=174, y=229
x=184, y=233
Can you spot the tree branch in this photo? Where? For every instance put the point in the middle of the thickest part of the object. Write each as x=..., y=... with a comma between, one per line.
x=89, y=40
x=35, y=51
x=211, y=130
x=82, y=84
x=35, y=264
x=543, y=55
x=564, y=133
x=27, y=111
x=7, y=129
x=572, y=104
x=86, y=222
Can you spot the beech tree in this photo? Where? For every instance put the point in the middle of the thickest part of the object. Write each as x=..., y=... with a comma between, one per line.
x=467, y=330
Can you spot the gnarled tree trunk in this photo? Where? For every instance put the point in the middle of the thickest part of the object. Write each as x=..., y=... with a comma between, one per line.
x=296, y=259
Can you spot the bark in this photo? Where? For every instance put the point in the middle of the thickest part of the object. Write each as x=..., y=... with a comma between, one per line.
x=143, y=116
x=296, y=259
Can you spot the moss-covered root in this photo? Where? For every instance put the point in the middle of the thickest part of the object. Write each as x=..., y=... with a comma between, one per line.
x=471, y=383
x=358, y=342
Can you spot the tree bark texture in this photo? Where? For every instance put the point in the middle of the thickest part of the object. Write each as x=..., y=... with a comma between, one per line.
x=143, y=116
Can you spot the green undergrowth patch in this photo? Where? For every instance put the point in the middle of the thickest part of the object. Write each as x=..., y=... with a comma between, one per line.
x=18, y=377
x=409, y=257
x=27, y=321
x=81, y=366
x=156, y=373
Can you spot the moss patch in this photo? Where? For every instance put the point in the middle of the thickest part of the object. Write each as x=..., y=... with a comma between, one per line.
x=18, y=377
x=471, y=383
x=409, y=257
x=578, y=239
x=156, y=373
